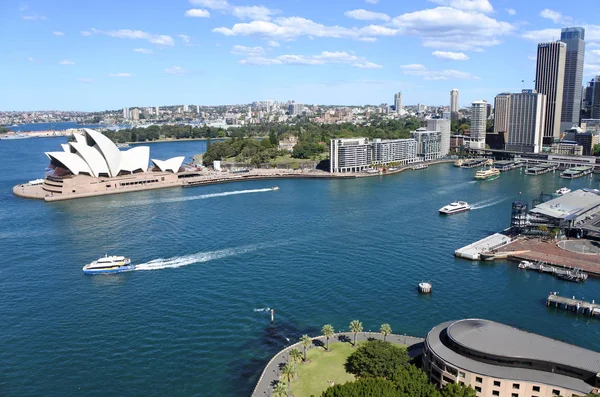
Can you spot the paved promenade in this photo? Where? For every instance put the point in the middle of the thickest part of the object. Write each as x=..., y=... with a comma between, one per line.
x=270, y=374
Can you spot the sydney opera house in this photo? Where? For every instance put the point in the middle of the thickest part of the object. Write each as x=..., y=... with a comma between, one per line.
x=93, y=165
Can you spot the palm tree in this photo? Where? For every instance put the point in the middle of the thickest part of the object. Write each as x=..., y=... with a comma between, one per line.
x=306, y=342
x=279, y=389
x=385, y=330
x=355, y=328
x=296, y=356
x=288, y=374
x=327, y=332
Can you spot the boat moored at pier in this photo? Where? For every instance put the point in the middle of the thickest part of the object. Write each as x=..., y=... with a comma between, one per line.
x=563, y=190
x=109, y=264
x=455, y=208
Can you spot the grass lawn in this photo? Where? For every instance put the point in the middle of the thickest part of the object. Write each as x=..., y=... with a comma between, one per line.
x=323, y=366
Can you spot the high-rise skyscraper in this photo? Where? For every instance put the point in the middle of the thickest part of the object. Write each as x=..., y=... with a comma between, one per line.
x=478, y=124
x=157, y=111
x=595, y=99
x=126, y=113
x=549, y=80
x=185, y=108
x=571, y=107
x=501, y=104
x=526, y=121
x=454, y=104
x=398, y=102
x=443, y=126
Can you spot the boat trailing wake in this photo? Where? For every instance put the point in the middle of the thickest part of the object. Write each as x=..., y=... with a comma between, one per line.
x=190, y=198
x=264, y=309
x=488, y=203
x=200, y=257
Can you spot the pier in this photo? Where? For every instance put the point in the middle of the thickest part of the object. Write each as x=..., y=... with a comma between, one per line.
x=473, y=163
x=490, y=243
x=541, y=169
x=576, y=172
x=508, y=165
x=574, y=305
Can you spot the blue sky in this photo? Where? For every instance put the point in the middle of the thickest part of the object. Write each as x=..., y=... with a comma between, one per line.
x=96, y=55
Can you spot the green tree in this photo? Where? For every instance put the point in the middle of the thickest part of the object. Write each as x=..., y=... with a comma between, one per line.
x=363, y=388
x=355, y=327
x=596, y=149
x=412, y=382
x=543, y=229
x=273, y=138
x=327, y=332
x=296, y=356
x=555, y=232
x=279, y=389
x=458, y=390
x=385, y=330
x=376, y=358
x=306, y=342
x=287, y=372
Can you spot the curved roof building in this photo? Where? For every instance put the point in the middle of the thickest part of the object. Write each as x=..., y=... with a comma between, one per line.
x=499, y=360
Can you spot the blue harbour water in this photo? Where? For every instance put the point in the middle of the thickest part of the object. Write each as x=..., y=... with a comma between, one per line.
x=317, y=251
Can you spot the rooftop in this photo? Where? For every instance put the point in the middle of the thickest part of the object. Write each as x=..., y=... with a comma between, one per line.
x=570, y=204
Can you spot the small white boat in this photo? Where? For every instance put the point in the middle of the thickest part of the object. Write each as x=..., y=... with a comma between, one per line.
x=455, y=208
x=563, y=190
x=109, y=264
x=275, y=188
x=524, y=265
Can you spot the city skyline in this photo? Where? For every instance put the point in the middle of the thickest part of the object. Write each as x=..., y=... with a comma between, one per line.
x=216, y=52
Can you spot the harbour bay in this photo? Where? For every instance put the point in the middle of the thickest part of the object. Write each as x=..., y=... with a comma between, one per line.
x=317, y=251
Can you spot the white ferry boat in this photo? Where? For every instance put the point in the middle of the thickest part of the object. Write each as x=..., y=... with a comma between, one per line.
x=455, y=208
x=109, y=264
x=487, y=174
x=563, y=190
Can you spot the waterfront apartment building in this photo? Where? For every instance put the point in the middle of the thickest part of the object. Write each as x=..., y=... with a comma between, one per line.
x=454, y=104
x=571, y=106
x=501, y=103
x=549, y=80
x=398, y=102
x=499, y=360
x=386, y=151
x=443, y=126
x=526, y=118
x=429, y=144
x=349, y=155
x=478, y=124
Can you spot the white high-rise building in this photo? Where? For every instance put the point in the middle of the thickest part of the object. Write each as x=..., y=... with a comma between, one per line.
x=501, y=104
x=197, y=109
x=249, y=114
x=478, y=124
x=126, y=113
x=428, y=144
x=185, y=108
x=526, y=118
x=157, y=111
x=454, y=103
x=571, y=106
x=398, y=102
x=443, y=126
x=349, y=155
x=549, y=80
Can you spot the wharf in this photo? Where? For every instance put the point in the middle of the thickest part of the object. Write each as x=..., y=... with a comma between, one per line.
x=474, y=163
x=491, y=243
x=576, y=172
x=541, y=169
x=508, y=165
x=575, y=305
x=536, y=250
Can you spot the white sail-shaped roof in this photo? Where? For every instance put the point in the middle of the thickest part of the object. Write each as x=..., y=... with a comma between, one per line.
x=109, y=150
x=172, y=164
x=92, y=157
x=66, y=147
x=73, y=162
x=135, y=159
x=79, y=138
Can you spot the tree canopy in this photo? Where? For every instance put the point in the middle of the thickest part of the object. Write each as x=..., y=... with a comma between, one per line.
x=376, y=358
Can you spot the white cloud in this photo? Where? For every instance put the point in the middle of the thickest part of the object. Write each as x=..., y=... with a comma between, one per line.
x=31, y=59
x=247, y=51
x=372, y=1
x=34, y=17
x=84, y=79
x=120, y=74
x=368, y=39
x=326, y=57
x=273, y=43
x=261, y=13
x=511, y=11
x=467, y=5
x=452, y=28
x=543, y=35
x=185, y=38
x=86, y=33
x=66, y=62
x=555, y=16
x=453, y=56
x=143, y=50
x=197, y=13
x=427, y=74
x=293, y=27
x=365, y=15
x=134, y=34
x=591, y=69
x=58, y=33
x=176, y=70
x=532, y=57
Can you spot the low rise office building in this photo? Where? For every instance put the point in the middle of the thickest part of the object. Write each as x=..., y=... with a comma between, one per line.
x=499, y=360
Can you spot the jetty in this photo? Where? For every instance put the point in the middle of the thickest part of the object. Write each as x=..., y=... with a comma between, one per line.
x=576, y=172
x=473, y=251
x=473, y=163
x=577, y=306
x=575, y=274
x=541, y=169
x=508, y=165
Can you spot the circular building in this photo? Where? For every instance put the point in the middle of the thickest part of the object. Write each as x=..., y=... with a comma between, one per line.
x=499, y=360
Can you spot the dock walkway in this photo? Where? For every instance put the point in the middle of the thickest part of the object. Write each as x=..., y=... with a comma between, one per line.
x=490, y=243
x=575, y=305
